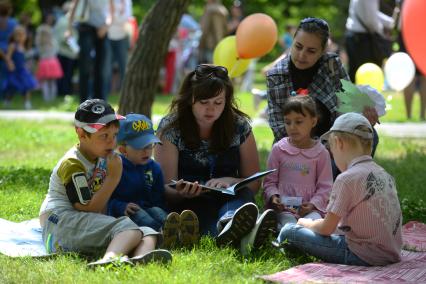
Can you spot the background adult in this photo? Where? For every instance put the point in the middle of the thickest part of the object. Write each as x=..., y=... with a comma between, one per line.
x=236, y=15
x=206, y=139
x=364, y=19
x=214, y=27
x=91, y=17
x=118, y=42
x=68, y=50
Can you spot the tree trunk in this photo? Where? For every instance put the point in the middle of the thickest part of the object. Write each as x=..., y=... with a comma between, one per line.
x=142, y=72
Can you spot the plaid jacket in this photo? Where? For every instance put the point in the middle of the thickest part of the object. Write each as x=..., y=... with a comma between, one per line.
x=323, y=87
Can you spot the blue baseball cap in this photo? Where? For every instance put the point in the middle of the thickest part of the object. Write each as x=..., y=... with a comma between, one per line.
x=136, y=130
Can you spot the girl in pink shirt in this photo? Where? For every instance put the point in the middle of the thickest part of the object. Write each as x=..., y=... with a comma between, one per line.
x=302, y=183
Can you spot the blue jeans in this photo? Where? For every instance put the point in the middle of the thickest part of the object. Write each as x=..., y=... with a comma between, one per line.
x=153, y=217
x=116, y=51
x=213, y=207
x=91, y=61
x=332, y=249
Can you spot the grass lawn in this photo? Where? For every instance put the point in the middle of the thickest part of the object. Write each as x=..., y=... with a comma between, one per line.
x=30, y=149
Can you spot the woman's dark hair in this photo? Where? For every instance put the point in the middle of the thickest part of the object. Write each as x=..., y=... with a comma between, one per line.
x=205, y=82
x=315, y=26
x=300, y=104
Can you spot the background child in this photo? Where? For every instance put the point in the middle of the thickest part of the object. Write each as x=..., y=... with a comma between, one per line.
x=302, y=183
x=140, y=192
x=49, y=69
x=363, y=204
x=17, y=77
x=79, y=189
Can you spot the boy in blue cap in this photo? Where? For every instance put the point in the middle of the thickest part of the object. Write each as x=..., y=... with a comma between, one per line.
x=140, y=192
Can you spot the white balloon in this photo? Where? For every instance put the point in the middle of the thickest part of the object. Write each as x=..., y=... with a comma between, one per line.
x=399, y=71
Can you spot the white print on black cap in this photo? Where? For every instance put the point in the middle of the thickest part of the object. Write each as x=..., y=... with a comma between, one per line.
x=98, y=108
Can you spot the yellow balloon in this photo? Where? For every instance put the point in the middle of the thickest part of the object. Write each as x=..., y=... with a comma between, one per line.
x=225, y=54
x=370, y=74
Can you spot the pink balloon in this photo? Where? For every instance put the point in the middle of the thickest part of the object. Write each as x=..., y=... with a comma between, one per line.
x=413, y=31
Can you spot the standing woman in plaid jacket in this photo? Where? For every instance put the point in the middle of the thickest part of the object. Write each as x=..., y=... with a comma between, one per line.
x=308, y=69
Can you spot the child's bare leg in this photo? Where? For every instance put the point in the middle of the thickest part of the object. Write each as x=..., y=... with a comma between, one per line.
x=123, y=243
x=147, y=244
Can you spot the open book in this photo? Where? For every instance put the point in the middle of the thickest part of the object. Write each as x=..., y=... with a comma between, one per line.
x=231, y=190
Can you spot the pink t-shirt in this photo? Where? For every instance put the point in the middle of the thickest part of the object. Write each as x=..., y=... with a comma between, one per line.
x=302, y=173
x=365, y=197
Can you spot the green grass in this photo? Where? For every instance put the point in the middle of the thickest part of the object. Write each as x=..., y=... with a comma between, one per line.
x=30, y=149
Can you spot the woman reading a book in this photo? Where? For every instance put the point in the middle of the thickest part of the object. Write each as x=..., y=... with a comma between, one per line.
x=309, y=69
x=206, y=140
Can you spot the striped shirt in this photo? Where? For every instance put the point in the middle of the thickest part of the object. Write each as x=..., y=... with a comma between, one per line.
x=323, y=88
x=365, y=198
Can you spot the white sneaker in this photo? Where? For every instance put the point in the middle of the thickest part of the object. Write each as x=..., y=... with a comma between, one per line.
x=266, y=225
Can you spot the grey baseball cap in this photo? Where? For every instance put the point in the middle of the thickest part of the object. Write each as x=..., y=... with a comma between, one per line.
x=350, y=123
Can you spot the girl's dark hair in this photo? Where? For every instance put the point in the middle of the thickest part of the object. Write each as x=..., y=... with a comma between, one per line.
x=205, y=82
x=300, y=104
x=315, y=26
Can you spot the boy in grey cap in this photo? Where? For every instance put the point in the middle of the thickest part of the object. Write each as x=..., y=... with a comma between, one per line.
x=363, y=204
x=81, y=183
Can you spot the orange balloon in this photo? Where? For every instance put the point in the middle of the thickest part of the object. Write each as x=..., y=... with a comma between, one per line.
x=413, y=24
x=256, y=36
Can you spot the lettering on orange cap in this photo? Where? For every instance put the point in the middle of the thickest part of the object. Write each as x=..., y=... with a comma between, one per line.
x=140, y=125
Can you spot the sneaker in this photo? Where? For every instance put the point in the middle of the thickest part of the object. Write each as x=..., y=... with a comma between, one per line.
x=158, y=255
x=171, y=230
x=265, y=226
x=114, y=261
x=189, y=228
x=240, y=225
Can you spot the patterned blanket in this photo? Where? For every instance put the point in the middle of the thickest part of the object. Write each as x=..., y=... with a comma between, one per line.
x=412, y=267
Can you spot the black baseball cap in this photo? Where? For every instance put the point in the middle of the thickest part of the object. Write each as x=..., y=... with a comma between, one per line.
x=94, y=114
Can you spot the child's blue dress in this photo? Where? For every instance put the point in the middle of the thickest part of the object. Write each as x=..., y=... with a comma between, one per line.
x=19, y=80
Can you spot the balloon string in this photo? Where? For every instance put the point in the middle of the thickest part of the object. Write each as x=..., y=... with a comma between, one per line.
x=235, y=67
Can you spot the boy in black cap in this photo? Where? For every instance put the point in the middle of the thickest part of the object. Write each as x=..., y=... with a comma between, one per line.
x=80, y=186
x=140, y=192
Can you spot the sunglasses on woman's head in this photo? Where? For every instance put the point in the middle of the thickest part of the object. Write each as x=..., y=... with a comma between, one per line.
x=319, y=22
x=203, y=71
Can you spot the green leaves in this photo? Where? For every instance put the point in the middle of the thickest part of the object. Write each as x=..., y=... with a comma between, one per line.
x=352, y=99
